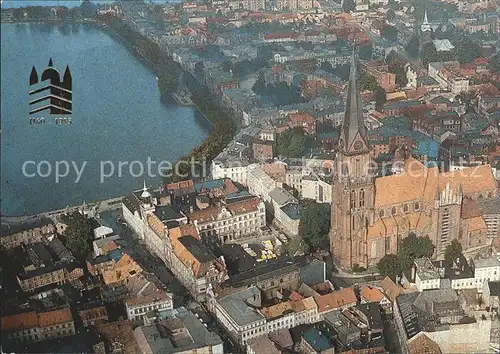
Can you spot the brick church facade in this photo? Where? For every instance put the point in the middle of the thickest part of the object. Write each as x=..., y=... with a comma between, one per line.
x=369, y=216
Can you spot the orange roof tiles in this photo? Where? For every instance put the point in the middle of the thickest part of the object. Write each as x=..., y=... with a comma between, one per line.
x=424, y=182
x=476, y=223
x=336, y=300
x=390, y=288
x=244, y=206
x=421, y=344
x=56, y=317
x=184, y=255
x=20, y=321
x=181, y=185
x=121, y=270
x=371, y=294
x=277, y=310
x=470, y=209
x=301, y=118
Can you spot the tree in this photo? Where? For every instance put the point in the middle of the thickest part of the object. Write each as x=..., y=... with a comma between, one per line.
x=390, y=33
x=390, y=15
x=413, y=247
x=399, y=70
x=314, y=225
x=260, y=85
x=367, y=82
x=167, y=83
x=295, y=246
x=453, y=251
x=348, y=5
x=494, y=63
x=389, y=266
x=380, y=98
x=467, y=50
x=79, y=234
x=413, y=46
x=365, y=52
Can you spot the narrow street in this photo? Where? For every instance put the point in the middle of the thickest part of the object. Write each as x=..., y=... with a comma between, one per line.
x=146, y=260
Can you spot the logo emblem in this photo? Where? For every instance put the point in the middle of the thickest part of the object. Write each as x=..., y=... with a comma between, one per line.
x=58, y=98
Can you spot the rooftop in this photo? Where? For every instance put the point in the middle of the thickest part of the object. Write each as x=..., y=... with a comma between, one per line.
x=179, y=331
x=237, y=308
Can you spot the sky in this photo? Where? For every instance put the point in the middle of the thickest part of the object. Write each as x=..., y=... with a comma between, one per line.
x=67, y=3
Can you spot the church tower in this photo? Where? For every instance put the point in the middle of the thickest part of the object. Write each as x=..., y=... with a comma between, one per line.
x=353, y=189
x=426, y=33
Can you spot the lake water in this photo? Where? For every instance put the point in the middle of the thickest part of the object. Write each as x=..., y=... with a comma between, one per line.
x=117, y=117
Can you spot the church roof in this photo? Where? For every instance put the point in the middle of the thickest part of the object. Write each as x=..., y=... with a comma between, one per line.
x=353, y=126
x=425, y=181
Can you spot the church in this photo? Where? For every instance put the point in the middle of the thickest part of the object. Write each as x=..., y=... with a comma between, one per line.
x=370, y=216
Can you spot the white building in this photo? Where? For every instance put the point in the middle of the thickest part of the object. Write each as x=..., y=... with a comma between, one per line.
x=286, y=209
x=230, y=222
x=244, y=318
x=135, y=209
x=260, y=183
x=236, y=171
x=486, y=270
x=316, y=189
x=426, y=275
x=146, y=297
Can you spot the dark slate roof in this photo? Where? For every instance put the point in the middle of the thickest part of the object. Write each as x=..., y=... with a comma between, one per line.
x=166, y=213
x=409, y=316
x=494, y=288
x=132, y=203
x=489, y=205
x=313, y=273
x=197, y=249
x=372, y=312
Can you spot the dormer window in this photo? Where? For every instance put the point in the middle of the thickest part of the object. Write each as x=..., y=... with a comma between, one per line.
x=406, y=208
x=382, y=213
x=394, y=211
x=417, y=206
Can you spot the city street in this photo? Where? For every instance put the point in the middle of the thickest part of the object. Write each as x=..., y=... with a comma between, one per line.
x=152, y=264
x=146, y=260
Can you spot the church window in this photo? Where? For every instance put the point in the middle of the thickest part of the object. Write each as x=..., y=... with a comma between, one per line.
x=417, y=206
x=361, y=198
x=382, y=213
x=353, y=199
x=406, y=208
x=394, y=211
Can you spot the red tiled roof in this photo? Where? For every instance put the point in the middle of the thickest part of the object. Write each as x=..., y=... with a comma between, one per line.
x=335, y=300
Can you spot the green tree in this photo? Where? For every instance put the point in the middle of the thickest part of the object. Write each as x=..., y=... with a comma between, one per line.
x=413, y=247
x=390, y=33
x=429, y=54
x=295, y=246
x=380, y=98
x=399, y=70
x=367, y=82
x=167, y=83
x=389, y=266
x=466, y=50
x=413, y=46
x=79, y=234
x=314, y=225
x=453, y=251
x=260, y=85
x=494, y=63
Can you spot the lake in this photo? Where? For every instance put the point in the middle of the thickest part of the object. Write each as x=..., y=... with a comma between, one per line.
x=117, y=116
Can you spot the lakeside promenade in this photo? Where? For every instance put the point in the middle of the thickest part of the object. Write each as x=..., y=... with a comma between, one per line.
x=103, y=205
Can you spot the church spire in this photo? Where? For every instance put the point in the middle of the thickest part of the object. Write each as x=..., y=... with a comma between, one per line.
x=353, y=132
x=425, y=27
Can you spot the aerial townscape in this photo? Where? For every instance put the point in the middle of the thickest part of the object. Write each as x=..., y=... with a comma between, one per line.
x=347, y=198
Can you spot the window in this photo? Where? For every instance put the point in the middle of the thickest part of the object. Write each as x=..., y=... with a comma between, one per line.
x=417, y=206
x=353, y=199
x=361, y=198
x=406, y=208
x=394, y=211
x=382, y=213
